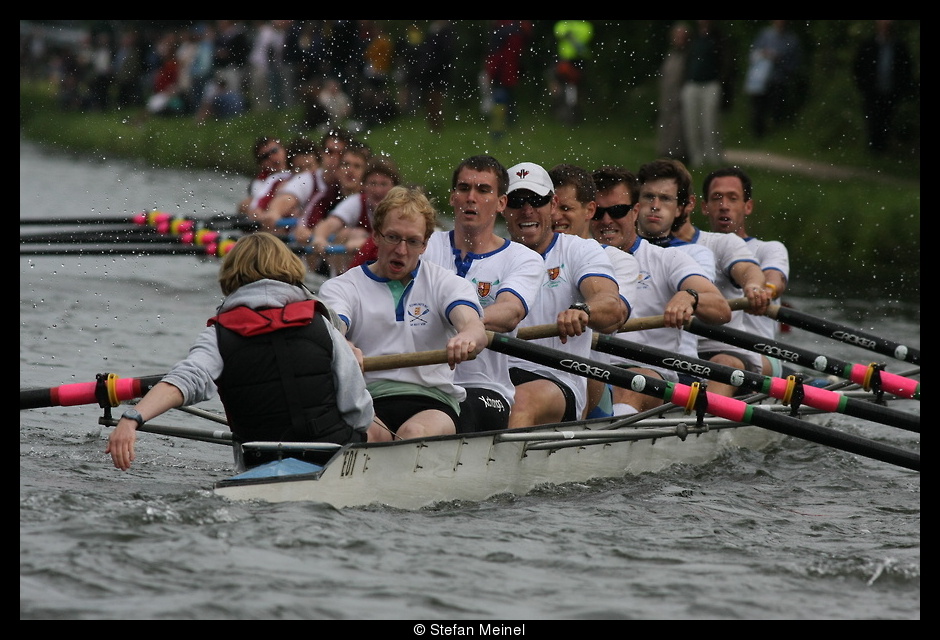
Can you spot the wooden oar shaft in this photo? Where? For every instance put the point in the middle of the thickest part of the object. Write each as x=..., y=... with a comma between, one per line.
x=747, y=380
x=633, y=324
x=844, y=334
x=720, y=406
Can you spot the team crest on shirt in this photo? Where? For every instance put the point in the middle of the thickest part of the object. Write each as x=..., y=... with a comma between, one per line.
x=643, y=280
x=555, y=276
x=417, y=313
x=484, y=288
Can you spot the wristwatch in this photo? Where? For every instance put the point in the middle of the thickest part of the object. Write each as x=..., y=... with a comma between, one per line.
x=582, y=306
x=134, y=414
x=694, y=294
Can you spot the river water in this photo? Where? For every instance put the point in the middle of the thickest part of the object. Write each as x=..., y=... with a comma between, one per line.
x=801, y=531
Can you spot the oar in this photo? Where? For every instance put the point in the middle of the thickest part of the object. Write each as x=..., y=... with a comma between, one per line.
x=107, y=390
x=872, y=376
x=125, y=235
x=218, y=222
x=844, y=334
x=216, y=436
x=111, y=389
x=212, y=250
x=791, y=392
x=633, y=324
x=690, y=398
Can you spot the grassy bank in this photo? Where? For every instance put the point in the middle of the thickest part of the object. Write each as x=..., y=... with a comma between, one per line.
x=863, y=230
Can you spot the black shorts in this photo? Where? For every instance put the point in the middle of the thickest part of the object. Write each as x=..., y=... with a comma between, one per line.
x=393, y=411
x=483, y=410
x=520, y=376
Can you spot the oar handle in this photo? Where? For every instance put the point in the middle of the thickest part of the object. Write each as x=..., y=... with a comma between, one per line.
x=397, y=360
x=633, y=324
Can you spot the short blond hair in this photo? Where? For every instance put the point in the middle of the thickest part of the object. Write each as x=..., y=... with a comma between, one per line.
x=412, y=203
x=260, y=256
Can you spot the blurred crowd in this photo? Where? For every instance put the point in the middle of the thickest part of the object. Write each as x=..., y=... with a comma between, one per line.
x=356, y=74
x=342, y=72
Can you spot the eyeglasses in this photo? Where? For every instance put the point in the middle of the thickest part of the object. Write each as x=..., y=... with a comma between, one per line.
x=393, y=239
x=267, y=154
x=516, y=200
x=615, y=212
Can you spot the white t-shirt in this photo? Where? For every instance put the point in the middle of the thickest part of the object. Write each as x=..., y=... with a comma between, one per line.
x=568, y=260
x=663, y=271
x=514, y=268
x=308, y=187
x=382, y=322
x=728, y=250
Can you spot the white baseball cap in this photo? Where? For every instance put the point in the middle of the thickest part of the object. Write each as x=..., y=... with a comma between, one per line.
x=528, y=175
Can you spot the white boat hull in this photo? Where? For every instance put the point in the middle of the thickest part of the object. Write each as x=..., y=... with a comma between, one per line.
x=413, y=474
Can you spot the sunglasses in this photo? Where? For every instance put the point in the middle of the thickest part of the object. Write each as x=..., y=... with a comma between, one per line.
x=615, y=212
x=267, y=154
x=516, y=200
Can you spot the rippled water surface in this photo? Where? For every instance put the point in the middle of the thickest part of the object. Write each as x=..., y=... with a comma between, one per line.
x=801, y=531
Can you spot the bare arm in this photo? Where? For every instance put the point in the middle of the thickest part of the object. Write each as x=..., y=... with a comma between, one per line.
x=471, y=336
x=752, y=280
x=322, y=231
x=161, y=398
x=711, y=308
x=504, y=314
x=608, y=312
x=283, y=205
x=776, y=282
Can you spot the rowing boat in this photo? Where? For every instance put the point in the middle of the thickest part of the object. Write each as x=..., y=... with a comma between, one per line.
x=416, y=473
x=411, y=474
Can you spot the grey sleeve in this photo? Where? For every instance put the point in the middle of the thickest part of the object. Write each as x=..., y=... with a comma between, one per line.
x=352, y=398
x=195, y=376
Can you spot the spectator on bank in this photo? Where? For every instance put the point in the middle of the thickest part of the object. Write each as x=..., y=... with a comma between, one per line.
x=670, y=136
x=128, y=70
x=376, y=105
x=407, y=70
x=775, y=59
x=707, y=80
x=436, y=61
x=201, y=68
x=336, y=104
x=266, y=60
x=882, y=73
x=503, y=66
x=166, y=97
x=221, y=102
x=99, y=57
x=232, y=47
